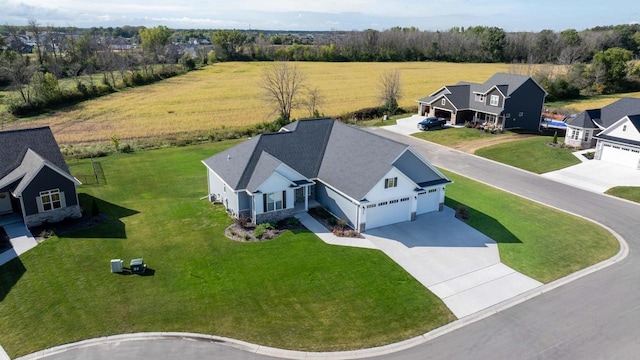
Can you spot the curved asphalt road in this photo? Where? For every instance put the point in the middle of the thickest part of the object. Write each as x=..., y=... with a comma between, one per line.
x=594, y=317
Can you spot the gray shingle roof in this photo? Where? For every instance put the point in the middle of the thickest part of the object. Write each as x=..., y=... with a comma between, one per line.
x=462, y=95
x=585, y=119
x=265, y=166
x=302, y=150
x=512, y=82
x=15, y=143
x=28, y=169
x=617, y=110
x=349, y=159
x=355, y=160
x=608, y=115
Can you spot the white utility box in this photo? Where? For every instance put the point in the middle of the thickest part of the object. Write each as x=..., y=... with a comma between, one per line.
x=117, y=265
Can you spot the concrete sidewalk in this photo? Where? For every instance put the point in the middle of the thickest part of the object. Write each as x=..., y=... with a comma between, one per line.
x=595, y=175
x=327, y=236
x=20, y=238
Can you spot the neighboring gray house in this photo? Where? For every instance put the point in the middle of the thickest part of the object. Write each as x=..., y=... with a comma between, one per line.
x=366, y=179
x=582, y=128
x=613, y=130
x=34, y=178
x=505, y=100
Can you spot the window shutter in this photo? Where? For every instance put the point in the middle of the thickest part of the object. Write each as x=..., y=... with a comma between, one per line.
x=264, y=202
x=39, y=204
x=284, y=199
x=63, y=201
x=395, y=181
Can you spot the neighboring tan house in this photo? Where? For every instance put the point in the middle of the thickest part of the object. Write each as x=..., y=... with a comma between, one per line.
x=368, y=180
x=504, y=100
x=34, y=178
x=613, y=130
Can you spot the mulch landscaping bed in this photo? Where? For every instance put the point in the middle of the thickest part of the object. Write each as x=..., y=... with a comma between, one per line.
x=45, y=231
x=246, y=231
x=332, y=224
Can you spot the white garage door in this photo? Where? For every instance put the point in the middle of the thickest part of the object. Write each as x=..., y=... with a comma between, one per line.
x=388, y=212
x=428, y=201
x=620, y=155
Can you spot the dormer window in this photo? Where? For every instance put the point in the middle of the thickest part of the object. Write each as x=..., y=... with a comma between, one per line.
x=495, y=99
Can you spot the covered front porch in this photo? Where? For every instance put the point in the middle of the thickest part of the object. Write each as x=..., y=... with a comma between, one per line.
x=298, y=199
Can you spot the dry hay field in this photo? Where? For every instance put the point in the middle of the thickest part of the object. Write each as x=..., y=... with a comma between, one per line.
x=227, y=95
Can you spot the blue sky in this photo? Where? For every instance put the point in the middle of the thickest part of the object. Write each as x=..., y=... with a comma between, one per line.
x=510, y=15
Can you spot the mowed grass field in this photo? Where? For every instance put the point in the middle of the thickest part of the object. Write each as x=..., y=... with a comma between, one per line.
x=228, y=95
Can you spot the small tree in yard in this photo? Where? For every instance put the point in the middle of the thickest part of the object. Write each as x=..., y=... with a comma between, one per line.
x=390, y=91
x=282, y=83
x=555, y=137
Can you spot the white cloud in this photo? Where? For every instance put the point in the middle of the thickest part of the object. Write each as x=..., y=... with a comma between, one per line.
x=512, y=15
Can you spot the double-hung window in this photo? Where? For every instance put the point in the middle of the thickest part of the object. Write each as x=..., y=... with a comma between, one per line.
x=50, y=199
x=495, y=99
x=274, y=201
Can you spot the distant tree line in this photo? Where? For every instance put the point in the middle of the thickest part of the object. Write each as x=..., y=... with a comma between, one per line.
x=598, y=60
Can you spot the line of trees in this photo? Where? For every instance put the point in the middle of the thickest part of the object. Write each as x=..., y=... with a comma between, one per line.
x=95, y=64
x=598, y=60
x=472, y=44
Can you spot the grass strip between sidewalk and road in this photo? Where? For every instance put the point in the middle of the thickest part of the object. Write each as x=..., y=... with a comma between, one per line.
x=631, y=193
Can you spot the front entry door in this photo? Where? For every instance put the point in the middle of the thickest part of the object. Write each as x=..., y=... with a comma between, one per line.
x=5, y=203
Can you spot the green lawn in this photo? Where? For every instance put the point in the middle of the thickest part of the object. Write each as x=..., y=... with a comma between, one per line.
x=536, y=240
x=294, y=292
x=626, y=192
x=455, y=136
x=532, y=154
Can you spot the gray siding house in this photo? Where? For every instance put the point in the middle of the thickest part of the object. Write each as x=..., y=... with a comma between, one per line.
x=613, y=130
x=365, y=179
x=35, y=181
x=506, y=100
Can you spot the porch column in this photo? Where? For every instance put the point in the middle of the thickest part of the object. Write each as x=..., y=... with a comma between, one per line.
x=253, y=209
x=306, y=198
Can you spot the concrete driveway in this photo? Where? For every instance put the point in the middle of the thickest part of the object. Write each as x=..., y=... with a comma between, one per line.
x=454, y=261
x=595, y=175
x=406, y=126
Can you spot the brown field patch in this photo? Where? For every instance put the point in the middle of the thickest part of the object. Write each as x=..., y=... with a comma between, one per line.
x=227, y=95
